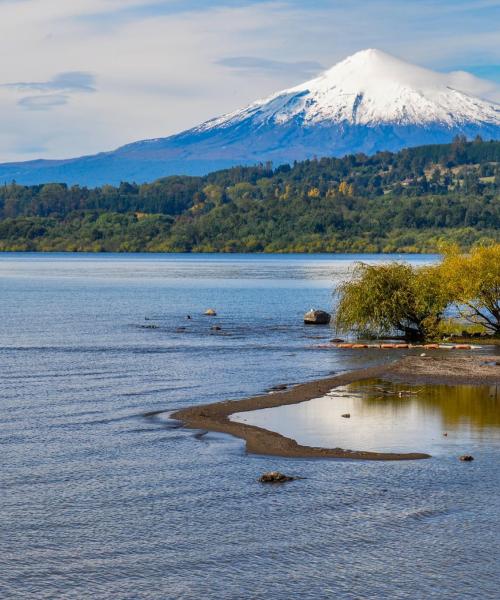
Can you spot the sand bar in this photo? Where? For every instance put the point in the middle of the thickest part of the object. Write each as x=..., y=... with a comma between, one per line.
x=459, y=370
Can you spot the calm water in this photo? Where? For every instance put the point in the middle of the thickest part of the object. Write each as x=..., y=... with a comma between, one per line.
x=387, y=417
x=100, y=501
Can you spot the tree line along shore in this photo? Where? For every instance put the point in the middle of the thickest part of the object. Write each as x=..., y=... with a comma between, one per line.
x=410, y=201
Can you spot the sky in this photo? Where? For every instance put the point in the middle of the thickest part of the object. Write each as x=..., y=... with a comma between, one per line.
x=83, y=76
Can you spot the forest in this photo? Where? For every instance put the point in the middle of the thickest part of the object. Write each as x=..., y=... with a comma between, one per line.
x=410, y=201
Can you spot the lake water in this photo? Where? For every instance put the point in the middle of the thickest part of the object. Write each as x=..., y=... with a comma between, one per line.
x=101, y=501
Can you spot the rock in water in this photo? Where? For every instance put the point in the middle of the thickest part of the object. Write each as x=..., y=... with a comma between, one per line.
x=466, y=458
x=210, y=312
x=317, y=317
x=275, y=477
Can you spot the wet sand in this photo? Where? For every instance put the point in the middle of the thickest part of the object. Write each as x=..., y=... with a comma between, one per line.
x=460, y=370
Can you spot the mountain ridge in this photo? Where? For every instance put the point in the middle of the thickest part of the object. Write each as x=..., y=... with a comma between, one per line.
x=370, y=101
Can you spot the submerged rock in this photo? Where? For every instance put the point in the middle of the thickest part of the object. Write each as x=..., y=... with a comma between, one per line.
x=317, y=317
x=275, y=477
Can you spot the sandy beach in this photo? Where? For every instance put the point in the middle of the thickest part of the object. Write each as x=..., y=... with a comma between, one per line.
x=455, y=370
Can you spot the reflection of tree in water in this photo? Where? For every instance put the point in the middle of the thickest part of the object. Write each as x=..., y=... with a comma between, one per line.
x=457, y=405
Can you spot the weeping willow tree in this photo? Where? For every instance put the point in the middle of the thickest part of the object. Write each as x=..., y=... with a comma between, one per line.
x=473, y=283
x=391, y=299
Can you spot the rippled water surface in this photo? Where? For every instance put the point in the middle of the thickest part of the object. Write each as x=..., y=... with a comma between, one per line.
x=100, y=500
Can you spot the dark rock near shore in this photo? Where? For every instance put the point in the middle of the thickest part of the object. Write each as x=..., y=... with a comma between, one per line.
x=317, y=317
x=278, y=388
x=275, y=477
x=346, y=416
x=466, y=458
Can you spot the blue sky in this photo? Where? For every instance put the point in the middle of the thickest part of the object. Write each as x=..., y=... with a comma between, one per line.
x=80, y=76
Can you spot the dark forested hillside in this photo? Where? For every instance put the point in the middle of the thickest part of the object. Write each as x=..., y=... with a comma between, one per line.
x=408, y=201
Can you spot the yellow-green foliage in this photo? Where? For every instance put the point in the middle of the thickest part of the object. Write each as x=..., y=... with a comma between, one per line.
x=390, y=298
x=473, y=283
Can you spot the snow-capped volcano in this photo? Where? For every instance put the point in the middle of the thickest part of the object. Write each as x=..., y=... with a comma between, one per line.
x=368, y=102
x=370, y=88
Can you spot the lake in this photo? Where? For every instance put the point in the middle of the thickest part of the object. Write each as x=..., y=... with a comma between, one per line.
x=101, y=500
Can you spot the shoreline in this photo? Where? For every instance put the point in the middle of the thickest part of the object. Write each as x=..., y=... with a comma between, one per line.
x=463, y=370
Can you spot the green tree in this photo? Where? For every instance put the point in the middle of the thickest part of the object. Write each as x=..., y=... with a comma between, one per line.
x=389, y=299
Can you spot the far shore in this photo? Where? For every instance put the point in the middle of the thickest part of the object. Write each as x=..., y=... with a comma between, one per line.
x=460, y=370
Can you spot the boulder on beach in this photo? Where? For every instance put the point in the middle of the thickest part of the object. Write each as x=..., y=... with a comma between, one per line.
x=210, y=312
x=317, y=317
x=275, y=477
x=346, y=416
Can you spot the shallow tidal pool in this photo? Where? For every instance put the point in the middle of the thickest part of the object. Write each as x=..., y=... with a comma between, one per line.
x=388, y=417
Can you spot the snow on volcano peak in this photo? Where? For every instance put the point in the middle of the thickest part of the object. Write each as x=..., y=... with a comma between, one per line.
x=371, y=88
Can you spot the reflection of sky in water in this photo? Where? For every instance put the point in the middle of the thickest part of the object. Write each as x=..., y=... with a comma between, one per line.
x=386, y=417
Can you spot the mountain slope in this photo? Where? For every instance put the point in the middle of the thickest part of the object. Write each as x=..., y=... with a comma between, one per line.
x=371, y=101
